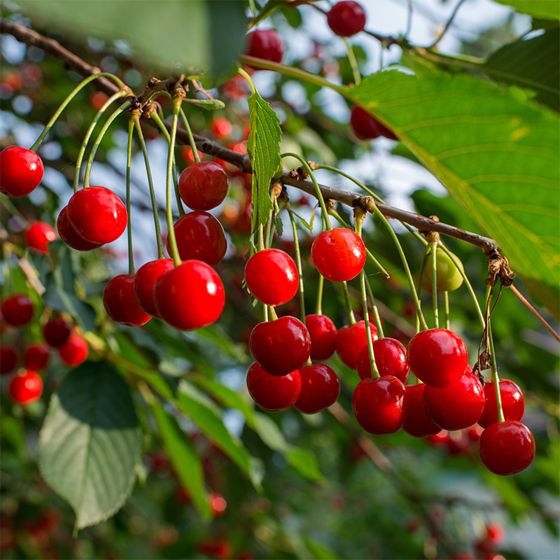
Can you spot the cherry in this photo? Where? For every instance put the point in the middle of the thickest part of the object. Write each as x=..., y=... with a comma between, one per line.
x=366, y=127
x=221, y=127
x=418, y=423
x=56, y=331
x=8, y=359
x=323, y=336
x=120, y=301
x=449, y=277
x=38, y=236
x=280, y=346
x=273, y=392
x=199, y=236
x=17, y=310
x=203, y=185
x=378, y=404
x=219, y=548
x=346, y=18
x=494, y=533
x=97, y=214
x=21, y=170
x=266, y=44
x=36, y=357
x=320, y=388
x=145, y=282
x=438, y=357
x=74, y=351
x=190, y=296
x=70, y=236
x=25, y=387
x=351, y=341
x=218, y=504
x=272, y=276
x=513, y=403
x=390, y=358
x=507, y=447
x=338, y=254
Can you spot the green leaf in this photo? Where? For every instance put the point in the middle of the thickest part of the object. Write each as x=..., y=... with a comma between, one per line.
x=90, y=442
x=305, y=463
x=540, y=8
x=176, y=35
x=495, y=152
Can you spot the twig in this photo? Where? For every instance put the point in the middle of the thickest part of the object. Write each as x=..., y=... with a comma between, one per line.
x=447, y=24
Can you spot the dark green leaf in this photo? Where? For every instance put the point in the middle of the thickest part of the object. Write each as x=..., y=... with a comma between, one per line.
x=541, y=8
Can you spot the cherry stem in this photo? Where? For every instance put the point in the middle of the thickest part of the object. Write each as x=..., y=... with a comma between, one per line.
x=153, y=200
x=71, y=96
x=447, y=310
x=244, y=74
x=376, y=314
x=168, y=210
x=494, y=362
x=351, y=318
x=261, y=238
x=319, y=307
x=270, y=222
x=273, y=312
x=299, y=266
x=129, y=217
x=352, y=61
x=190, y=136
x=419, y=284
x=433, y=263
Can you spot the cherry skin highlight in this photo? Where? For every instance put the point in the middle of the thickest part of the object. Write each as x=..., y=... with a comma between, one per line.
x=74, y=351
x=280, y=346
x=273, y=392
x=203, y=185
x=418, y=423
x=272, y=276
x=56, y=331
x=266, y=44
x=190, y=296
x=513, y=402
x=145, y=283
x=17, y=310
x=320, y=388
x=21, y=171
x=36, y=357
x=346, y=18
x=351, y=341
x=25, y=387
x=8, y=359
x=339, y=254
x=366, y=127
x=38, y=236
x=120, y=302
x=70, y=236
x=323, y=336
x=390, y=358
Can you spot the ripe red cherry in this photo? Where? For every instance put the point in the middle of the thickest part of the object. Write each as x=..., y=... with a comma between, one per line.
x=280, y=346
x=366, y=127
x=8, y=359
x=273, y=392
x=218, y=504
x=437, y=356
x=70, y=236
x=457, y=405
x=513, y=403
x=26, y=387
x=418, y=423
x=21, y=170
x=323, y=336
x=338, y=254
x=36, y=357
x=203, y=185
x=272, y=276
x=74, y=351
x=351, y=341
x=56, y=331
x=199, y=236
x=120, y=302
x=346, y=18
x=221, y=127
x=507, y=447
x=320, y=388
x=38, y=236
x=97, y=214
x=17, y=310
x=145, y=282
x=390, y=358
x=266, y=44
x=190, y=296
x=378, y=404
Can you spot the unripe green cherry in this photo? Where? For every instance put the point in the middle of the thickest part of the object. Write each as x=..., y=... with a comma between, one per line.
x=449, y=277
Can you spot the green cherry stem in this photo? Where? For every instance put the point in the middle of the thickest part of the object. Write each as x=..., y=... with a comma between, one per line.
x=376, y=315
x=299, y=265
x=245, y=75
x=494, y=362
x=346, y=293
x=190, y=136
x=320, y=284
x=169, y=180
x=433, y=263
x=129, y=217
x=447, y=310
x=353, y=62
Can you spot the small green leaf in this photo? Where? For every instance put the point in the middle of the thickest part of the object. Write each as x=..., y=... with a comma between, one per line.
x=305, y=463
x=539, y=8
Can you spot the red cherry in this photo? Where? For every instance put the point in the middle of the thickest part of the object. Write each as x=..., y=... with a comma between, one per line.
x=21, y=170
x=457, y=443
x=346, y=18
x=145, y=283
x=438, y=357
x=457, y=405
x=120, y=302
x=272, y=276
x=38, y=236
x=507, y=447
x=418, y=423
x=474, y=433
x=351, y=341
x=17, y=310
x=366, y=127
x=74, y=351
x=266, y=44
x=441, y=438
x=97, y=214
x=320, y=388
x=221, y=127
x=218, y=504
x=36, y=357
x=8, y=359
x=390, y=358
x=494, y=533
x=190, y=296
x=203, y=185
x=56, y=331
x=378, y=404
x=199, y=236
x=26, y=387
x=220, y=548
x=513, y=403
x=280, y=346
x=70, y=236
x=323, y=336
x=273, y=392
